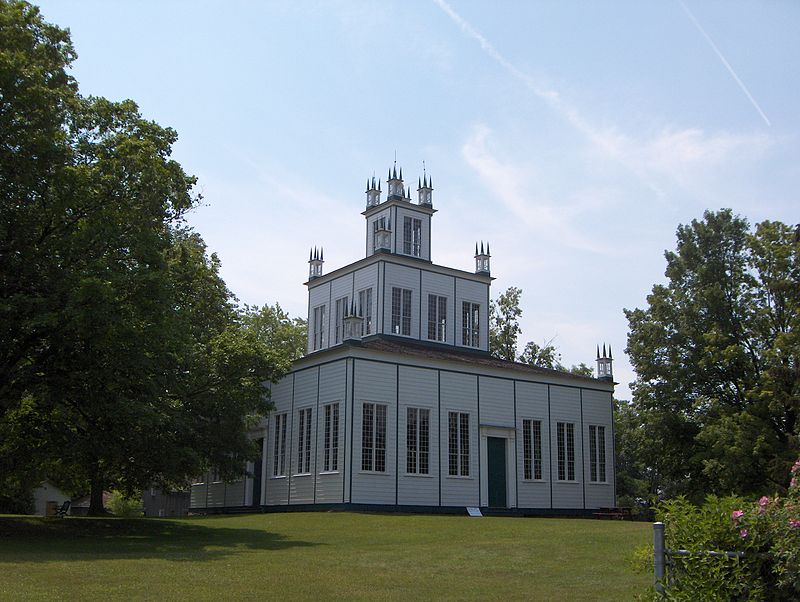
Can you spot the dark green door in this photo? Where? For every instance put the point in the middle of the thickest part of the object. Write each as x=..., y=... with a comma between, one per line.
x=496, y=451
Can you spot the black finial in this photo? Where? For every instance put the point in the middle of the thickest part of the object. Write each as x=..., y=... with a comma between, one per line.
x=482, y=248
x=598, y=352
x=487, y=249
x=401, y=173
x=609, y=351
x=604, y=350
x=320, y=253
x=419, y=183
x=476, y=248
x=379, y=185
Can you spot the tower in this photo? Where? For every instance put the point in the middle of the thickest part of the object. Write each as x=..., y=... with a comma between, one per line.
x=604, y=370
x=394, y=183
x=373, y=192
x=425, y=191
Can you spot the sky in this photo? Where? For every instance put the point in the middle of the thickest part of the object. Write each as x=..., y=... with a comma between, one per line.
x=573, y=136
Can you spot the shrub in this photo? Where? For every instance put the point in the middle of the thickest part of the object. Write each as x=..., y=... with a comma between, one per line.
x=124, y=506
x=766, y=532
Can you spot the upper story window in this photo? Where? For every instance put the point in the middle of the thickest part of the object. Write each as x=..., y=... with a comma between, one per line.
x=341, y=310
x=401, y=311
x=318, y=328
x=437, y=318
x=412, y=236
x=365, y=310
x=471, y=324
x=597, y=453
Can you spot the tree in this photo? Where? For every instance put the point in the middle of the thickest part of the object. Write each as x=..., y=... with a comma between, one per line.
x=504, y=324
x=544, y=356
x=717, y=358
x=124, y=360
x=277, y=329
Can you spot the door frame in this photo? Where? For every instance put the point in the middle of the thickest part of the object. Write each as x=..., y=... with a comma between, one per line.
x=508, y=433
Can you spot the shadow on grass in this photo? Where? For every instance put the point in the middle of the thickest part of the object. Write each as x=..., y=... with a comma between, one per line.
x=32, y=539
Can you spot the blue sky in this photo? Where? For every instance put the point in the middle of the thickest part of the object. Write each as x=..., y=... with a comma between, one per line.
x=574, y=136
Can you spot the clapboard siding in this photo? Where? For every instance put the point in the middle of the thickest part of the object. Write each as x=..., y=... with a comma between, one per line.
x=402, y=213
x=597, y=410
x=301, y=485
x=418, y=388
x=497, y=401
x=403, y=277
x=318, y=295
x=368, y=278
x=565, y=406
x=375, y=383
x=331, y=391
x=459, y=393
x=442, y=285
x=532, y=405
x=371, y=229
x=198, y=493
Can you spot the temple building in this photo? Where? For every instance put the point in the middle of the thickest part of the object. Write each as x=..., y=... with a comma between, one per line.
x=398, y=403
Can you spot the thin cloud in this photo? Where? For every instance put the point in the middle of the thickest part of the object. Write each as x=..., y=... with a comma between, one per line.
x=725, y=62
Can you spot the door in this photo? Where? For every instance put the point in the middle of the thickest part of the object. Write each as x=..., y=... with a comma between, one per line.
x=496, y=452
x=256, y=501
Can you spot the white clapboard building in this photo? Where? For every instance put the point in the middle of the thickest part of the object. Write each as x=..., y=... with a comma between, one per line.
x=399, y=405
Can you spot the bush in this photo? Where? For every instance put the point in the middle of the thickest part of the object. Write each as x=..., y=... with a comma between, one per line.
x=124, y=506
x=767, y=532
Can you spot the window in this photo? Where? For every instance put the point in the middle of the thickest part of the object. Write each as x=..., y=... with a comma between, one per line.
x=417, y=440
x=597, y=453
x=373, y=437
x=458, y=444
x=330, y=461
x=381, y=228
x=215, y=478
x=304, y=442
x=279, y=458
x=401, y=311
x=565, y=432
x=338, y=329
x=437, y=318
x=318, y=341
x=412, y=236
x=471, y=321
x=532, y=449
x=365, y=310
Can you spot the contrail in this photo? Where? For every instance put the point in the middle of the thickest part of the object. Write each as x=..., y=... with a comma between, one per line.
x=724, y=62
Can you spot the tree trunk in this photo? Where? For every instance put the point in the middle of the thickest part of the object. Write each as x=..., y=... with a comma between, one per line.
x=96, y=499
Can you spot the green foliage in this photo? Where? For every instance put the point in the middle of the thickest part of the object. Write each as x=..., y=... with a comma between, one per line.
x=277, y=329
x=125, y=361
x=717, y=358
x=544, y=356
x=766, y=532
x=504, y=324
x=124, y=506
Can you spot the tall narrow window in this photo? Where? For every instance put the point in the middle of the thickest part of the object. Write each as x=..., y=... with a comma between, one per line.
x=417, y=440
x=331, y=444
x=565, y=434
x=458, y=444
x=304, y=442
x=471, y=324
x=597, y=453
x=341, y=310
x=318, y=341
x=365, y=310
x=437, y=318
x=412, y=236
x=373, y=437
x=532, y=449
x=279, y=457
x=401, y=311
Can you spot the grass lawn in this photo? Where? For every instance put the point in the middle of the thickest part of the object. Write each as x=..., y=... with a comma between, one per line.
x=319, y=556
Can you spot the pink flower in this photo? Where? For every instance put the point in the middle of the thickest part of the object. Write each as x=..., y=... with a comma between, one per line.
x=737, y=514
x=796, y=466
x=743, y=533
x=762, y=504
x=793, y=482
x=794, y=524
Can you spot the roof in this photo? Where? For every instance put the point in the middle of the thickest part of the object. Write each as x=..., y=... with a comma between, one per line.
x=467, y=356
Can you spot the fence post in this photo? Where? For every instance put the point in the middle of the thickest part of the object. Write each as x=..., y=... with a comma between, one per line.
x=659, y=559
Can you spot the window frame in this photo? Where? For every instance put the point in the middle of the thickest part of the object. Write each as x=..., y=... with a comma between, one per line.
x=459, y=446
x=374, y=435
x=304, y=441
x=437, y=319
x=470, y=324
x=318, y=328
x=565, y=443
x=279, y=446
x=418, y=431
x=340, y=311
x=401, y=311
x=365, y=310
x=532, y=450
x=598, y=457
x=330, y=445
x=412, y=236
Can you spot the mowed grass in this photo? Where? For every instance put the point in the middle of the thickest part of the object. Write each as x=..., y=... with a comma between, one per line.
x=320, y=556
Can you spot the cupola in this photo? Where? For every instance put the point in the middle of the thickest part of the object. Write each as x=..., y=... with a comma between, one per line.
x=482, y=259
x=425, y=191
x=604, y=370
x=352, y=323
x=383, y=234
x=373, y=192
x=315, y=262
x=394, y=183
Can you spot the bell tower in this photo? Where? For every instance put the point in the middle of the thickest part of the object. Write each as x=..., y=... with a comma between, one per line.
x=604, y=370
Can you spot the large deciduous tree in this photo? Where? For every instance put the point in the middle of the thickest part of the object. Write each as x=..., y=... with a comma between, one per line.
x=717, y=357
x=124, y=359
x=504, y=324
